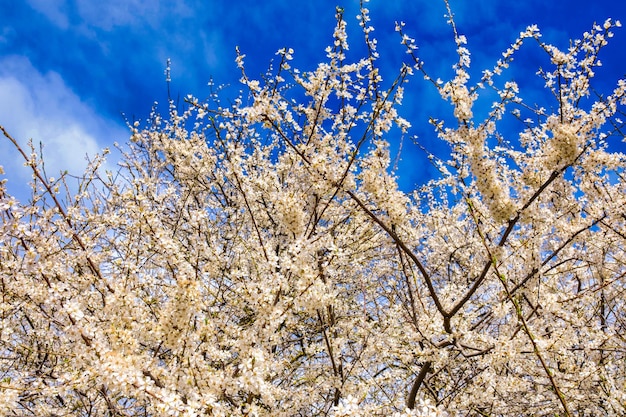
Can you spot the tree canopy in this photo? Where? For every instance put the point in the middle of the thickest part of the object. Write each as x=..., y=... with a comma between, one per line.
x=257, y=257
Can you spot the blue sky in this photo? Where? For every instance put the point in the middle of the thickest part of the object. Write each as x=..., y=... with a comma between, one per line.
x=70, y=69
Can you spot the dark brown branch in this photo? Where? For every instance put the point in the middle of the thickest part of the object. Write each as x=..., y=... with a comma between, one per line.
x=410, y=402
x=406, y=250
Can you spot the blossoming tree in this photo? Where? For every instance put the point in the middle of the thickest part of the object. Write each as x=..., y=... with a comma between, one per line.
x=259, y=258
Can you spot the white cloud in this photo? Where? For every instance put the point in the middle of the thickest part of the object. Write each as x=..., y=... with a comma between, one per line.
x=113, y=13
x=54, y=10
x=43, y=108
x=108, y=14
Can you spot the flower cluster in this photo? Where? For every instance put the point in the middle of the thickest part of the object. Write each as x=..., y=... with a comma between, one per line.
x=258, y=258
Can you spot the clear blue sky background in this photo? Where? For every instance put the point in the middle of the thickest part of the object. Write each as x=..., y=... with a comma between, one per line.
x=69, y=69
